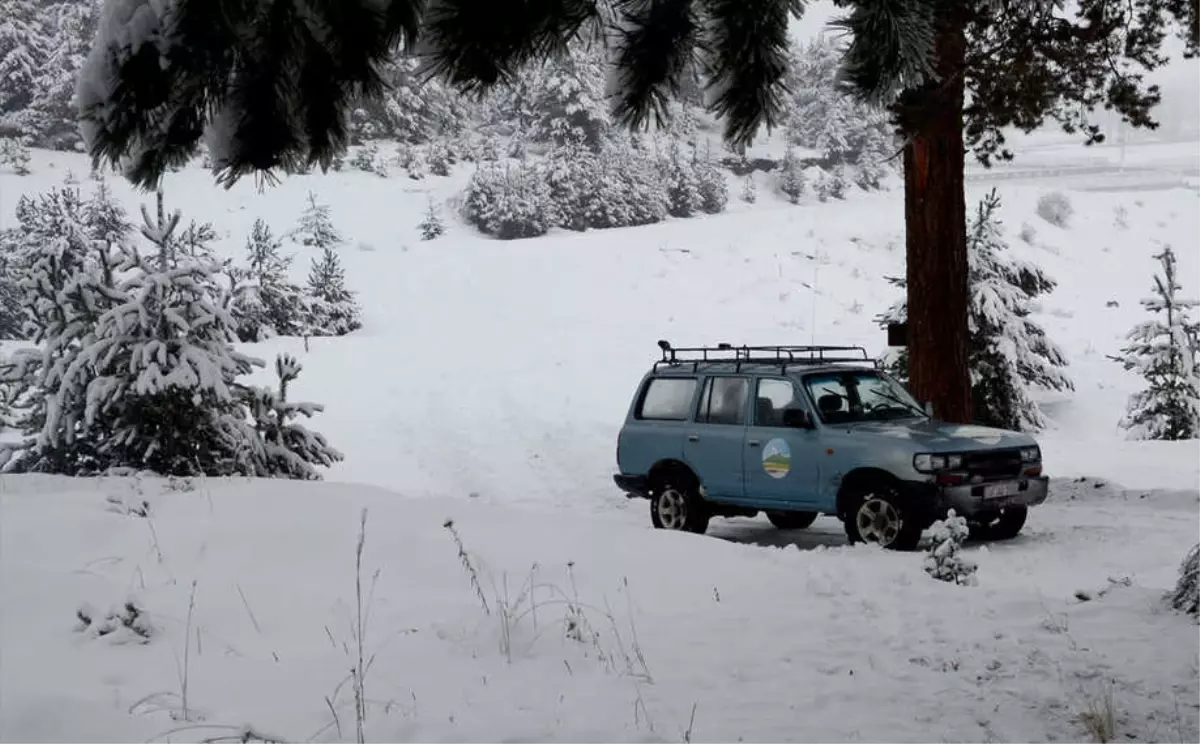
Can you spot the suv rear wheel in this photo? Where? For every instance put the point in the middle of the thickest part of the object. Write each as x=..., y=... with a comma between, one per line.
x=875, y=513
x=792, y=520
x=679, y=506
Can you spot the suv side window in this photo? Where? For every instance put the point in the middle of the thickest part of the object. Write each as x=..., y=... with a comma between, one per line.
x=774, y=396
x=723, y=401
x=667, y=399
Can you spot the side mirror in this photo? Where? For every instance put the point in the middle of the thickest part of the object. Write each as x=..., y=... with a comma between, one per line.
x=795, y=418
x=929, y=409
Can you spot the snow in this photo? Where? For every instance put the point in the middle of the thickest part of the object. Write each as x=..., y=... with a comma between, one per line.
x=769, y=644
x=487, y=386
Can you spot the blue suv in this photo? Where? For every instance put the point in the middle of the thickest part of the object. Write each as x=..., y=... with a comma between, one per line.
x=798, y=431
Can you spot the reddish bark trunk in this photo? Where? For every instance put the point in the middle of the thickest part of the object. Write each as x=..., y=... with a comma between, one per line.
x=936, y=235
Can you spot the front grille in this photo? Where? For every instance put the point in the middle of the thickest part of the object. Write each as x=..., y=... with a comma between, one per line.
x=993, y=465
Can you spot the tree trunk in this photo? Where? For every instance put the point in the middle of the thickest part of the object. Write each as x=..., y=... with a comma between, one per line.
x=936, y=234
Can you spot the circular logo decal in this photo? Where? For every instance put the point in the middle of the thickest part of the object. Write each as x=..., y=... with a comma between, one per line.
x=777, y=458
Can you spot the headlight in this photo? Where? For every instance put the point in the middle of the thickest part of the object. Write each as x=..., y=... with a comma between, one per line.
x=1031, y=454
x=930, y=463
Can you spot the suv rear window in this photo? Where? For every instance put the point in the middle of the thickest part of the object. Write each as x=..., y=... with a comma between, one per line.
x=668, y=399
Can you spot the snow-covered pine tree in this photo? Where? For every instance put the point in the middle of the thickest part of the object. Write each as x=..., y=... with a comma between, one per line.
x=15, y=155
x=710, y=179
x=509, y=202
x=23, y=47
x=332, y=309
x=1186, y=595
x=66, y=289
x=749, y=189
x=268, y=303
x=160, y=372
x=876, y=160
x=791, y=177
x=560, y=100
x=432, y=226
x=413, y=109
x=822, y=116
x=12, y=314
x=288, y=449
x=109, y=228
x=627, y=186
x=439, y=158
x=51, y=118
x=1163, y=351
x=943, y=561
x=1009, y=354
x=153, y=381
x=823, y=186
x=316, y=226
x=571, y=174
x=839, y=181
x=683, y=185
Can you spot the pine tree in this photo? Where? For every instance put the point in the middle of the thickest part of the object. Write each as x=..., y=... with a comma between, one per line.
x=162, y=370
x=571, y=172
x=1009, y=352
x=714, y=189
x=51, y=119
x=332, y=309
x=12, y=314
x=412, y=109
x=267, y=302
x=136, y=368
x=683, y=185
x=288, y=449
x=561, y=100
x=510, y=202
x=14, y=154
x=316, y=227
x=67, y=286
x=1186, y=595
x=822, y=116
x=1163, y=351
x=23, y=47
x=432, y=226
x=749, y=190
x=791, y=177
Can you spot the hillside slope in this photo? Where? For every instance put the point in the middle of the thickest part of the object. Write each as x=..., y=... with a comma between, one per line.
x=503, y=369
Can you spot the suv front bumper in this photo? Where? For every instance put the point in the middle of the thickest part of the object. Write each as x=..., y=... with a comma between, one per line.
x=984, y=498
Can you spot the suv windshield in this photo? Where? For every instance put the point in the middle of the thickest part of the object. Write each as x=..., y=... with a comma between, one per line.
x=860, y=395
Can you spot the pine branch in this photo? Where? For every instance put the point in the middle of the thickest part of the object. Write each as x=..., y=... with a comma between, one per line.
x=747, y=62
x=656, y=46
x=475, y=45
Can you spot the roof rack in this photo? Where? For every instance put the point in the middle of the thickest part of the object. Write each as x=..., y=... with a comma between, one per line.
x=781, y=356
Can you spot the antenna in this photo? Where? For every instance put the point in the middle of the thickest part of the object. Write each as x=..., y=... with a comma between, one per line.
x=813, y=335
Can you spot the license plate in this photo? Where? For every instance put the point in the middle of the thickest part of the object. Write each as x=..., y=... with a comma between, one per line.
x=1000, y=490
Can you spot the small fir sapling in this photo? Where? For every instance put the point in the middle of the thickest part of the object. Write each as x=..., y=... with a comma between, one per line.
x=1163, y=351
x=432, y=226
x=944, y=561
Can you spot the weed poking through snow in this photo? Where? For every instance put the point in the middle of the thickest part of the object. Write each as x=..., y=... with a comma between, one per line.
x=943, y=562
x=120, y=625
x=617, y=651
x=1099, y=717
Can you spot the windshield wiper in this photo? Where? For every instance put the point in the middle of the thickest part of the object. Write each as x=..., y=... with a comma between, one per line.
x=888, y=395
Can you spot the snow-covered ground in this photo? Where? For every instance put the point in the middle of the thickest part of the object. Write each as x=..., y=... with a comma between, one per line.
x=488, y=385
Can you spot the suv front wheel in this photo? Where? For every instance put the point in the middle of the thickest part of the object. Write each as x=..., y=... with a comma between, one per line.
x=877, y=514
x=679, y=507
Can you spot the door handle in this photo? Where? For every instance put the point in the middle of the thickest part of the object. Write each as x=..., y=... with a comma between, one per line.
x=693, y=437
x=754, y=443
